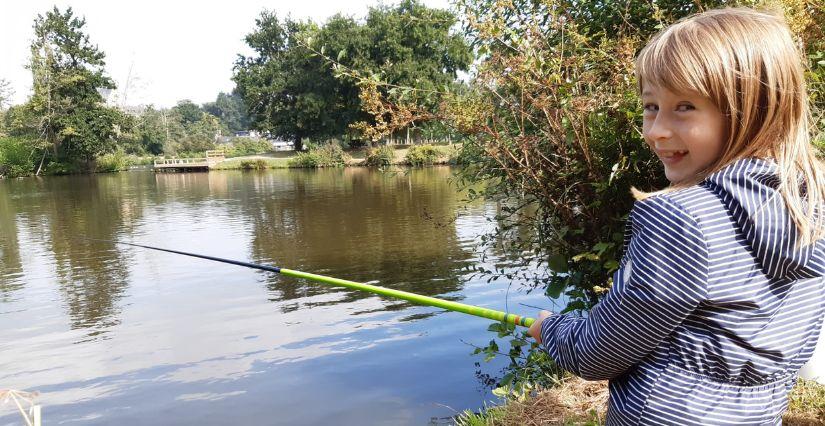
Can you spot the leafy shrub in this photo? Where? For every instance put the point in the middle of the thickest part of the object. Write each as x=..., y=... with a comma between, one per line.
x=61, y=168
x=15, y=157
x=258, y=164
x=422, y=155
x=113, y=162
x=329, y=155
x=135, y=160
x=248, y=146
x=382, y=156
x=306, y=159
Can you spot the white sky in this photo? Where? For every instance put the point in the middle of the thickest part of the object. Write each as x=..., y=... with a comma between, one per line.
x=175, y=49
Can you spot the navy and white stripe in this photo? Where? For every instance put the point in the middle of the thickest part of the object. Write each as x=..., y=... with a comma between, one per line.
x=713, y=311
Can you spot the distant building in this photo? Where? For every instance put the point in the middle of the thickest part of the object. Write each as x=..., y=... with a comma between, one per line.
x=282, y=145
x=248, y=134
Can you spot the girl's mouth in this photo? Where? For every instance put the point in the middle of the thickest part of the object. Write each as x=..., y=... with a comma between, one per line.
x=672, y=157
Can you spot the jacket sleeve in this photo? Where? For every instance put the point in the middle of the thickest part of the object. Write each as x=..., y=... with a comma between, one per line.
x=662, y=279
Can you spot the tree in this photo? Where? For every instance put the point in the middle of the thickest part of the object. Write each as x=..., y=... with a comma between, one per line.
x=190, y=128
x=68, y=72
x=303, y=80
x=411, y=45
x=284, y=85
x=188, y=112
x=146, y=134
x=6, y=93
x=230, y=110
x=151, y=131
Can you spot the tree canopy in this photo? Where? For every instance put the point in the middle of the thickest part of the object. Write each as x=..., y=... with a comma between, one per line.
x=68, y=74
x=230, y=110
x=290, y=85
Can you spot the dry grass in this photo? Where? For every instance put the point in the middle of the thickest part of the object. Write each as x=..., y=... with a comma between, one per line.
x=806, y=404
x=578, y=402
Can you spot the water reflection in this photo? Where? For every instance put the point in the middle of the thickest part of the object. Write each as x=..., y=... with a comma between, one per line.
x=371, y=228
x=57, y=215
x=10, y=264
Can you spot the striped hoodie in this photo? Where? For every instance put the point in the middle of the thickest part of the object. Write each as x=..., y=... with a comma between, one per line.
x=712, y=311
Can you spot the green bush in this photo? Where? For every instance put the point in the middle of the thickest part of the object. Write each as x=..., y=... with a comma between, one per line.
x=329, y=155
x=15, y=157
x=422, y=155
x=113, y=162
x=382, y=156
x=258, y=164
x=61, y=168
x=305, y=159
x=135, y=160
x=248, y=146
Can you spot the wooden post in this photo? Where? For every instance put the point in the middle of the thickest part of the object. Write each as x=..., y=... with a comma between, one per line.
x=36, y=415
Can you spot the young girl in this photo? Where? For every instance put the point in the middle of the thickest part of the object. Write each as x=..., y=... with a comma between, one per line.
x=721, y=291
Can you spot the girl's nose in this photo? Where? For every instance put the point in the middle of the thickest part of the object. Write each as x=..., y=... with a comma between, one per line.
x=659, y=129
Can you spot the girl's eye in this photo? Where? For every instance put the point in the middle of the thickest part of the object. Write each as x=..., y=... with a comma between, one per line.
x=651, y=107
x=685, y=107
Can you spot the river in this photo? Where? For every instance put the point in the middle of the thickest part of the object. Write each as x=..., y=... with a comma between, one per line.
x=111, y=334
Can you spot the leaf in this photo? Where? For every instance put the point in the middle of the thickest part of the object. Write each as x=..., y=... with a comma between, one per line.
x=611, y=265
x=588, y=256
x=518, y=342
x=341, y=54
x=507, y=379
x=558, y=263
x=601, y=247
x=555, y=288
x=573, y=306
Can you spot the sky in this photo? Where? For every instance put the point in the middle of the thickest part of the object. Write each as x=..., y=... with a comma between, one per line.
x=160, y=52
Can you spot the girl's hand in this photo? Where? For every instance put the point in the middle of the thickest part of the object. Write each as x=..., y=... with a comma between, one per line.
x=535, y=329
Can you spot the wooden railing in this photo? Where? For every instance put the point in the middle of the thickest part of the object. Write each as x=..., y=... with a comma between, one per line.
x=212, y=157
x=181, y=162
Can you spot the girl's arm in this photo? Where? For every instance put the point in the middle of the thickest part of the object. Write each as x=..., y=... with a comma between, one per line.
x=662, y=280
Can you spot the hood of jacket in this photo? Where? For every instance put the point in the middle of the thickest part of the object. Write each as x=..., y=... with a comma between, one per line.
x=749, y=187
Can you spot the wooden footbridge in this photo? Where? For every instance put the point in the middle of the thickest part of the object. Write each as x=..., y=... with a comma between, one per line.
x=182, y=164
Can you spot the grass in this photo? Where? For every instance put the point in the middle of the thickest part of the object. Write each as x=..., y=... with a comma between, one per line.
x=806, y=404
x=241, y=163
x=578, y=402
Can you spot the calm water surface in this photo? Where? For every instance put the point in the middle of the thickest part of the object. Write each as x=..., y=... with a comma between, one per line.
x=110, y=334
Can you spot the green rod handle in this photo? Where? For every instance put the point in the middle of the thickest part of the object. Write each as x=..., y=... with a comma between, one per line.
x=415, y=298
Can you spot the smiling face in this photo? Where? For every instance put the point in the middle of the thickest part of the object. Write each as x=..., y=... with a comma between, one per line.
x=686, y=131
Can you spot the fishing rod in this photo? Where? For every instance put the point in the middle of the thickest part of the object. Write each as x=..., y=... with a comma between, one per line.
x=383, y=291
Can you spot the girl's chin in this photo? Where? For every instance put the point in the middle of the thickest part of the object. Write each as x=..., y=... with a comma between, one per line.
x=676, y=176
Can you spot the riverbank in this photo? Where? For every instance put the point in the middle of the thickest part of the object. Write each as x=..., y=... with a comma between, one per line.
x=576, y=401
x=438, y=155
x=354, y=158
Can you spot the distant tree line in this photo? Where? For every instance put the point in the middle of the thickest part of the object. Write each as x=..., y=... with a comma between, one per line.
x=301, y=83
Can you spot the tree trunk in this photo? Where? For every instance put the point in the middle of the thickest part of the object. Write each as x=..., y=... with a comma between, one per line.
x=299, y=146
x=40, y=166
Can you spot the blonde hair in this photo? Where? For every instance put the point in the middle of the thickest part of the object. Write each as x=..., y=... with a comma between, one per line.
x=746, y=63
